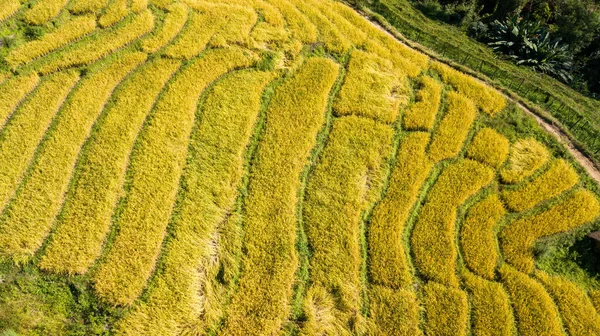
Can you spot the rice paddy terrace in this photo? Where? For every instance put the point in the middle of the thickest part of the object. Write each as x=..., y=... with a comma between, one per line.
x=264, y=167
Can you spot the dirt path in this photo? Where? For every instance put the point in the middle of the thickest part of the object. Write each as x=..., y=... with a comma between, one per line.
x=583, y=160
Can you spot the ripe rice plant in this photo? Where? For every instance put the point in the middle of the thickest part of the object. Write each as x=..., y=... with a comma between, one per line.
x=446, y=310
x=525, y=158
x=173, y=24
x=517, y=239
x=448, y=139
x=421, y=115
x=18, y=142
x=432, y=239
x=577, y=311
x=99, y=45
x=296, y=113
x=100, y=173
x=371, y=89
x=560, y=177
x=489, y=147
x=478, y=236
x=355, y=36
x=155, y=167
x=215, y=170
x=60, y=37
x=44, y=11
x=137, y=6
x=328, y=33
x=491, y=313
x=387, y=256
x=535, y=311
x=86, y=6
x=8, y=8
x=113, y=13
x=298, y=24
x=344, y=183
x=31, y=212
x=393, y=312
x=486, y=98
x=12, y=92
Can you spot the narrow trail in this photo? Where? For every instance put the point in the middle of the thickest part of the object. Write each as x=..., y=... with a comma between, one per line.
x=551, y=128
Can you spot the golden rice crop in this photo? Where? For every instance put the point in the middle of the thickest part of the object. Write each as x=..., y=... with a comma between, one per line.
x=62, y=36
x=595, y=298
x=371, y=89
x=297, y=23
x=478, y=236
x=535, y=311
x=433, y=236
x=577, y=311
x=394, y=312
x=526, y=156
x=44, y=11
x=453, y=129
x=328, y=33
x=174, y=22
x=212, y=176
x=355, y=36
x=100, y=45
x=86, y=6
x=138, y=5
x=113, y=13
x=486, y=98
x=295, y=115
x=18, y=142
x=12, y=92
x=491, y=313
x=38, y=199
x=217, y=24
x=446, y=310
x=517, y=239
x=387, y=255
x=343, y=184
x=489, y=147
x=8, y=8
x=155, y=167
x=560, y=177
x=420, y=116
x=100, y=173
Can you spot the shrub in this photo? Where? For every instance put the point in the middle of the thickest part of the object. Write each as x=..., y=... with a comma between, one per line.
x=490, y=307
x=449, y=137
x=577, y=311
x=371, y=89
x=421, y=115
x=155, y=168
x=478, y=236
x=296, y=114
x=387, y=257
x=173, y=24
x=344, y=183
x=37, y=201
x=526, y=156
x=560, y=177
x=486, y=98
x=446, y=310
x=63, y=35
x=535, y=311
x=100, y=172
x=518, y=238
x=19, y=140
x=489, y=147
x=212, y=176
x=433, y=237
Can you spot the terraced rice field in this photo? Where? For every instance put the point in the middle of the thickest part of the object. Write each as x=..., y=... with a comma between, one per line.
x=266, y=167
